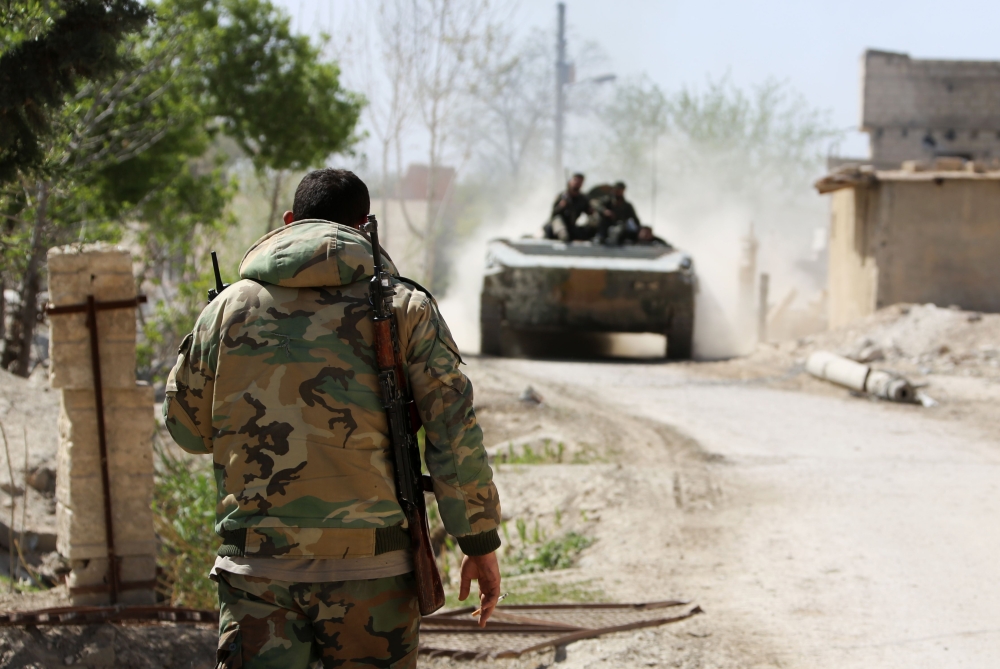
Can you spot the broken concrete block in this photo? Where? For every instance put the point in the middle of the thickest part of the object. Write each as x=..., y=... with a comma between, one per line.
x=113, y=325
x=66, y=289
x=80, y=517
x=129, y=424
x=77, y=270
x=94, y=572
x=117, y=365
x=105, y=272
x=97, y=257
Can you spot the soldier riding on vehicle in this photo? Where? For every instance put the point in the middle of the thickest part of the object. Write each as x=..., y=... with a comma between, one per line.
x=566, y=210
x=617, y=220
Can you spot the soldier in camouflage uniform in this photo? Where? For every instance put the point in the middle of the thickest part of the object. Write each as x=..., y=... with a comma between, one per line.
x=618, y=220
x=566, y=210
x=278, y=383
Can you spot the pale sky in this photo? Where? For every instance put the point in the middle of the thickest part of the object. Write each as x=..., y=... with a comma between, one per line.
x=814, y=46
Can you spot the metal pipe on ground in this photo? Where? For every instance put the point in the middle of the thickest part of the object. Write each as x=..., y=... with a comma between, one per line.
x=862, y=378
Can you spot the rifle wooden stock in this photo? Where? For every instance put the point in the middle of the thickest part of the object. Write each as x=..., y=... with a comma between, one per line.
x=430, y=591
x=384, y=353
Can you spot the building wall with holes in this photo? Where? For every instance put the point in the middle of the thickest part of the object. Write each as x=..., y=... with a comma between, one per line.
x=923, y=109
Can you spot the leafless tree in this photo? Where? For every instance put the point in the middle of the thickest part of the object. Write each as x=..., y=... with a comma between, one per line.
x=514, y=93
x=431, y=54
x=391, y=116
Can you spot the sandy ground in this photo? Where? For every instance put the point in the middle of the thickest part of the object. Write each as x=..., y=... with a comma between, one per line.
x=822, y=530
x=29, y=414
x=815, y=528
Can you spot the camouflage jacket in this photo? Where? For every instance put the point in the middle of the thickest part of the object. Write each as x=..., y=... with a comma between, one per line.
x=278, y=383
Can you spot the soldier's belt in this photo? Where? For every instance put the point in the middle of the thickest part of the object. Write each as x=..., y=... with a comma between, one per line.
x=313, y=542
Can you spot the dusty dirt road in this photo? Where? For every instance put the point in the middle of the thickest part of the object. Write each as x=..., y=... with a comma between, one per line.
x=816, y=530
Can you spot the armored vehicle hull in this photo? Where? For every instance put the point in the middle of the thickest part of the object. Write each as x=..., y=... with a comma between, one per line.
x=534, y=285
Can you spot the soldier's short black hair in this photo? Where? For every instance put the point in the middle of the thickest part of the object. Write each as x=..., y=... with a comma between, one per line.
x=333, y=195
x=620, y=184
x=578, y=175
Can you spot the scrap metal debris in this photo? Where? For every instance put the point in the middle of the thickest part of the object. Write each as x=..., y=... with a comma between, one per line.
x=90, y=615
x=519, y=629
x=862, y=378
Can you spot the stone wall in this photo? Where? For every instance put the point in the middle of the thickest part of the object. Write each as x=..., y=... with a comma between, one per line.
x=919, y=109
x=931, y=237
x=106, y=273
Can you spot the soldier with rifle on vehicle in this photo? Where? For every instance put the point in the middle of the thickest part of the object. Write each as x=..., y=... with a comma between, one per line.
x=306, y=380
x=566, y=211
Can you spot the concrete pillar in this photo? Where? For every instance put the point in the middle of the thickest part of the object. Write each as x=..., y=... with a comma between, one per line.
x=105, y=272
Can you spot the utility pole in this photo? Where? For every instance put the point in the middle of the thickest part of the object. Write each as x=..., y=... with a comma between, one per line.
x=562, y=78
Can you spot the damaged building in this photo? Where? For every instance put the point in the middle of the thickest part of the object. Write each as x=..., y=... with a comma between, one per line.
x=920, y=220
x=914, y=109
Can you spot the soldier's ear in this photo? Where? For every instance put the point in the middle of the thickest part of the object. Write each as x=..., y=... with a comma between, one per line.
x=289, y=217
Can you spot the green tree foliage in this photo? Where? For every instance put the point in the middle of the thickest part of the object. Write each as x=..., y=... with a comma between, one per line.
x=135, y=152
x=49, y=50
x=277, y=99
x=282, y=104
x=771, y=125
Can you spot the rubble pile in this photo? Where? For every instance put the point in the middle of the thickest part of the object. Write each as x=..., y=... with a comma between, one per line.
x=908, y=339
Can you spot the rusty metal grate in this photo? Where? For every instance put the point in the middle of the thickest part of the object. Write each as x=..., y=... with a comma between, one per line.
x=511, y=632
x=518, y=629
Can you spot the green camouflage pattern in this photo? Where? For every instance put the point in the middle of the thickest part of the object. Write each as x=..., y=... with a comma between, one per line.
x=309, y=542
x=266, y=624
x=277, y=381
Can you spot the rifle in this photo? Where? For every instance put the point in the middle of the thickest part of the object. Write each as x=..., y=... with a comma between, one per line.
x=219, y=286
x=403, y=425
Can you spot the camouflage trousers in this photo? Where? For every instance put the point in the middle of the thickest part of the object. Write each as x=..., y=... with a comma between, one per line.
x=267, y=624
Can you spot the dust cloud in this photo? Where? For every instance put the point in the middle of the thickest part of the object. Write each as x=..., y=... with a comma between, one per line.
x=460, y=306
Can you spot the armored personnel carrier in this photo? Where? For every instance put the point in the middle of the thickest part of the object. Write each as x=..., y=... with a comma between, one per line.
x=539, y=285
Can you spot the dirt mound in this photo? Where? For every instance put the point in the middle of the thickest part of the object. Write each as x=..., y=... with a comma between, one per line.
x=911, y=339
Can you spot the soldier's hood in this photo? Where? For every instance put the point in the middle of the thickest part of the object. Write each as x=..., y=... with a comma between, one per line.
x=311, y=253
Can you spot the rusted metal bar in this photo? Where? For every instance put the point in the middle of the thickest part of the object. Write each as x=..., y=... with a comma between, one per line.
x=122, y=585
x=91, y=307
x=99, y=306
x=102, y=441
x=88, y=615
x=565, y=607
x=521, y=628
x=600, y=631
